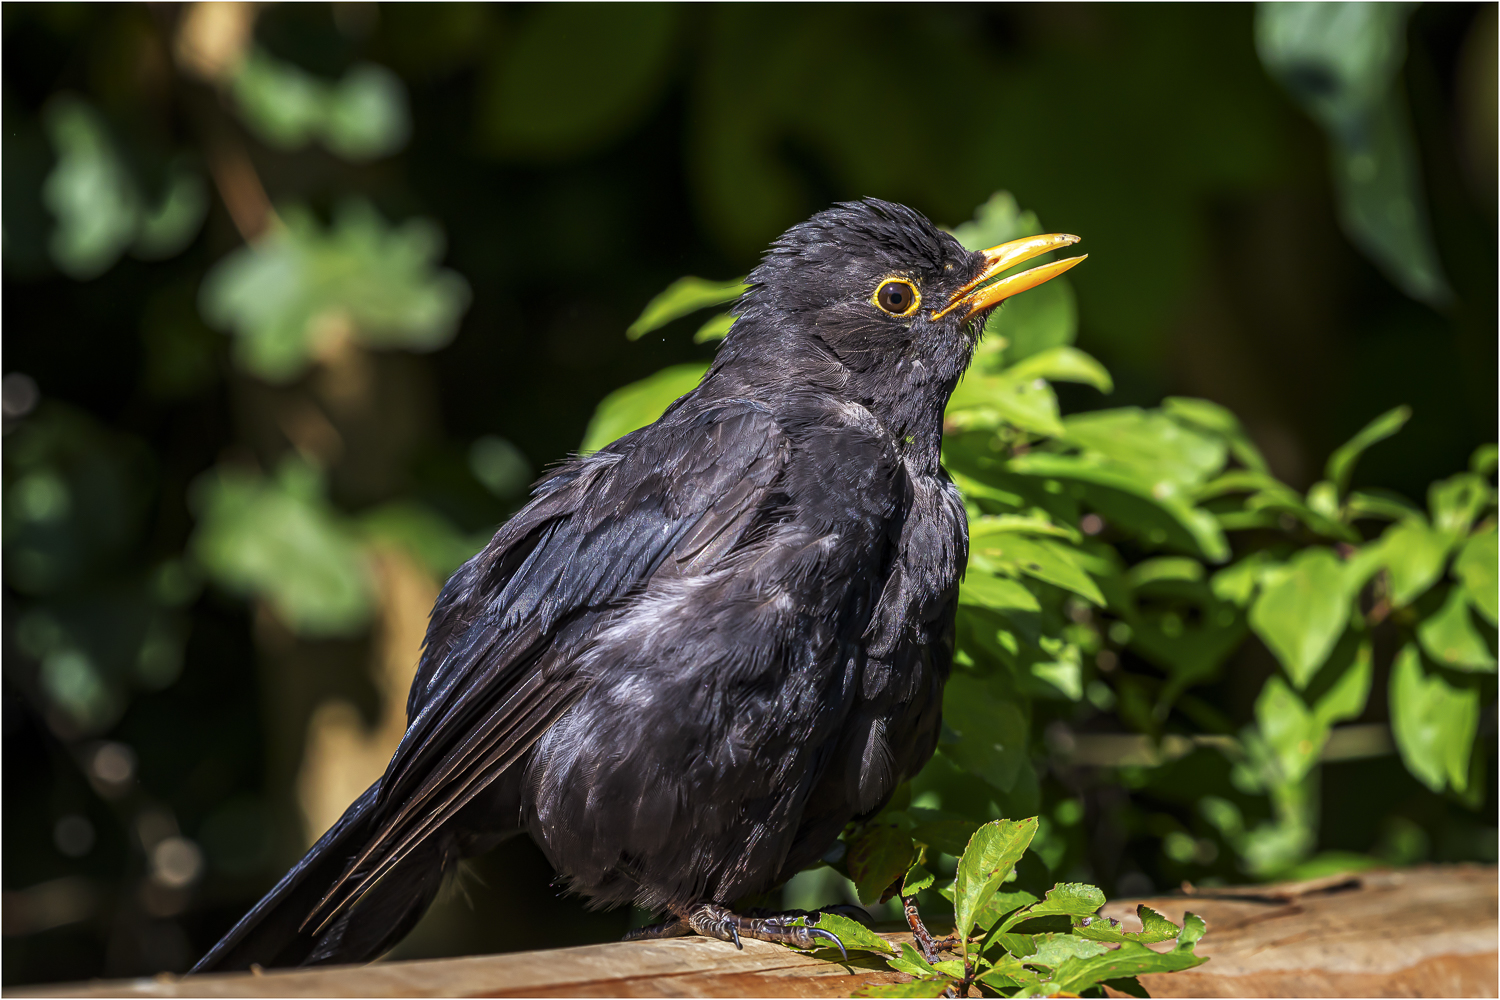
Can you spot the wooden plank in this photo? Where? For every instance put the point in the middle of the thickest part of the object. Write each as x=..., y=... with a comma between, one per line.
x=1420, y=932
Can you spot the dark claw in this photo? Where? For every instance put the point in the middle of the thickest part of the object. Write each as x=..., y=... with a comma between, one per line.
x=734, y=932
x=818, y=931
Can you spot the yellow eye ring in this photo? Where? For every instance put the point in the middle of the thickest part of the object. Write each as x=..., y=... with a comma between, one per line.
x=897, y=296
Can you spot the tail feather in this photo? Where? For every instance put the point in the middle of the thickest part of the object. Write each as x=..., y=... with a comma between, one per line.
x=272, y=935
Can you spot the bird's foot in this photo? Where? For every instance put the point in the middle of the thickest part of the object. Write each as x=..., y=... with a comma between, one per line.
x=712, y=920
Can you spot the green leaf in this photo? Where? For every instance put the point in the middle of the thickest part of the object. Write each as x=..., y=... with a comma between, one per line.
x=366, y=115
x=917, y=879
x=1455, y=503
x=1154, y=926
x=1054, y=949
x=879, y=854
x=1379, y=504
x=998, y=906
x=988, y=401
x=1042, y=558
x=1433, y=722
x=716, y=328
x=1159, y=510
x=1475, y=566
x=1484, y=459
x=1009, y=972
x=1129, y=959
x=1193, y=929
x=1341, y=463
x=1061, y=364
x=945, y=831
x=991, y=729
x=1289, y=730
x=1218, y=420
x=1238, y=583
x=1074, y=899
x=1302, y=610
x=916, y=988
x=300, y=290
x=986, y=590
x=854, y=935
x=682, y=298
x=986, y=863
x=911, y=962
x=279, y=540
x=1414, y=554
x=639, y=403
x=90, y=192
x=1449, y=637
x=1347, y=697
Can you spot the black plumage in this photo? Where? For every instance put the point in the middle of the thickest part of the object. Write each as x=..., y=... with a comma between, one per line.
x=698, y=653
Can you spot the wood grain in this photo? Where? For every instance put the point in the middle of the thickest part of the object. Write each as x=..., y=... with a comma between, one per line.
x=1420, y=932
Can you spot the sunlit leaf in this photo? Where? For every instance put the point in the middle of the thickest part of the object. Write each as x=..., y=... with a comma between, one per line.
x=1476, y=567
x=1414, y=554
x=1455, y=502
x=714, y=329
x=1054, y=949
x=280, y=541
x=1218, y=420
x=1302, y=609
x=90, y=192
x=684, y=297
x=987, y=862
x=1129, y=959
x=990, y=591
x=852, y=934
x=302, y=289
x=1449, y=636
x=1289, y=729
x=1074, y=899
x=1041, y=558
x=1433, y=722
x=639, y=403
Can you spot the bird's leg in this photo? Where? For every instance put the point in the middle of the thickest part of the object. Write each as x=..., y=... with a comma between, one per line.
x=670, y=928
x=712, y=920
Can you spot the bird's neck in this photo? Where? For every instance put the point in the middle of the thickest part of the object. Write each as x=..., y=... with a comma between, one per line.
x=913, y=413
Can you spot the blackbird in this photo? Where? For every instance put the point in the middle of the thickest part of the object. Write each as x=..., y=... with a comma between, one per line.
x=695, y=655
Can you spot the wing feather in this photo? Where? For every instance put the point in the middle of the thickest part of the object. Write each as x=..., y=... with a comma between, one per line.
x=500, y=661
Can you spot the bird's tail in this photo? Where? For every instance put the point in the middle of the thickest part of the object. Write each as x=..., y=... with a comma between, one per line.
x=276, y=932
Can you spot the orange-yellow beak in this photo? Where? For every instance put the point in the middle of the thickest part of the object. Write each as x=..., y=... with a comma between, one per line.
x=982, y=292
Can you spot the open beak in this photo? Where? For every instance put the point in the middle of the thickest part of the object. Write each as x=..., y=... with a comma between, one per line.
x=983, y=292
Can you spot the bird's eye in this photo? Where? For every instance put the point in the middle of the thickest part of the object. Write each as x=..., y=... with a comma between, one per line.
x=897, y=297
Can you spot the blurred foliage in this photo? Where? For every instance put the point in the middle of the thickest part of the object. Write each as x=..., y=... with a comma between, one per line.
x=291, y=288
x=292, y=292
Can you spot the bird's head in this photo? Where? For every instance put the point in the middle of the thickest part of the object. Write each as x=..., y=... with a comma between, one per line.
x=872, y=301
